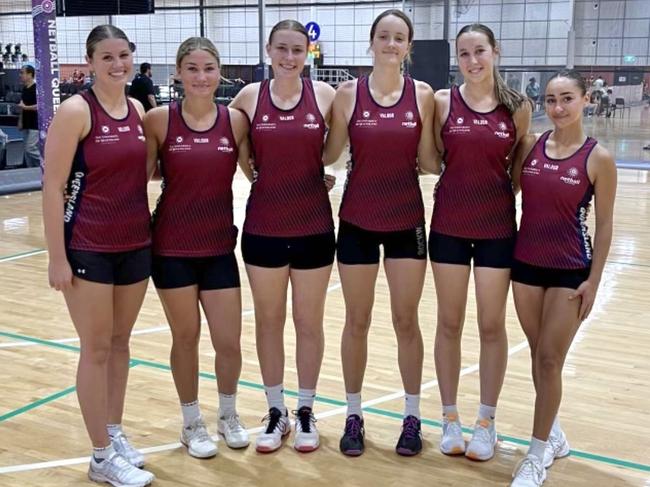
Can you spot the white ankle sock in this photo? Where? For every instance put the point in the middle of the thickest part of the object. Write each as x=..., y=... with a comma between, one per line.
x=227, y=404
x=537, y=448
x=101, y=454
x=191, y=412
x=412, y=405
x=450, y=410
x=354, y=403
x=556, y=429
x=113, y=429
x=306, y=397
x=275, y=397
x=487, y=412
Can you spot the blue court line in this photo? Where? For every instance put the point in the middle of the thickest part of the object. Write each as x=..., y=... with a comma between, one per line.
x=617, y=462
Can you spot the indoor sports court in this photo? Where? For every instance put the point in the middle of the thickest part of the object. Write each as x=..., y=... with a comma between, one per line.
x=605, y=410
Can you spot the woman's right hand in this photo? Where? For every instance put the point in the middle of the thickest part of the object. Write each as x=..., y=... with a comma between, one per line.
x=60, y=274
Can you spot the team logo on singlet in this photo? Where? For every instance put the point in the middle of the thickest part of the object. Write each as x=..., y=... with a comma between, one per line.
x=74, y=186
x=224, y=145
x=141, y=132
x=366, y=114
x=366, y=121
x=311, y=122
x=105, y=129
x=570, y=177
x=531, y=170
x=106, y=137
x=459, y=128
x=179, y=146
x=409, y=122
x=265, y=124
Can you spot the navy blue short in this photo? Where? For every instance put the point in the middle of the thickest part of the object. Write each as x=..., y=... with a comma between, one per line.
x=546, y=277
x=118, y=268
x=208, y=273
x=356, y=245
x=446, y=249
x=308, y=252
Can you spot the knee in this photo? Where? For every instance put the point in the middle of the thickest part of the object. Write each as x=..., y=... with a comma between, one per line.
x=120, y=342
x=96, y=351
x=357, y=323
x=406, y=325
x=229, y=348
x=450, y=328
x=308, y=329
x=548, y=363
x=492, y=330
x=186, y=340
x=270, y=321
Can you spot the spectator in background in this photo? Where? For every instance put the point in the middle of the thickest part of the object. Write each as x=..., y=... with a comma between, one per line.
x=142, y=88
x=532, y=92
x=28, y=121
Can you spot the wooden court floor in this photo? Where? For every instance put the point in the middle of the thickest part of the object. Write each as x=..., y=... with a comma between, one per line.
x=605, y=411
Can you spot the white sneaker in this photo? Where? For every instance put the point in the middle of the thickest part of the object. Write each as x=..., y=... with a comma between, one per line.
x=116, y=471
x=234, y=432
x=123, y=447
x=197, y=440
x=484, y=439
x=306, y=438
x=452, y=441
x=277, y=426
x=529, y=472
x=556, y=447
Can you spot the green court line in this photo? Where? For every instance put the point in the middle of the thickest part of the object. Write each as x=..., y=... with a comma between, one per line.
x=38, y=403
x=616, y=462
x=20, y=255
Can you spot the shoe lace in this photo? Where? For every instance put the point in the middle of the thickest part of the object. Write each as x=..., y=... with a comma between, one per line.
x=233, y=423
x=273, y=419
x=555, y=442
x=305, y=418
x=353, y=426
x=482, y=433
x=528, y=468
x=198, y=430
x=411, y=427
x=453, y=428
x=118, y=467
x=122, y=442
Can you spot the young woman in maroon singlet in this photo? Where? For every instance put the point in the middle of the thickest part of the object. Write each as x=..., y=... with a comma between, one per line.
x=194, y=238
x=99, y=242
x=388, y=118
x=556, y=271
x=288, y=232
x=477, y=127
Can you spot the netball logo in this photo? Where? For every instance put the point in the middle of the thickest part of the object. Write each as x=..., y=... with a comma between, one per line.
x=265, y=118
x=310, y=118
x=572, y=172
x=311, y=122
x=408, y=116
x=502, y=126
x=366, y=114
x=46, y=7
x=224, y=145
x=179, y=140
x=105, y=129
x=460, y=120
x=409, y=123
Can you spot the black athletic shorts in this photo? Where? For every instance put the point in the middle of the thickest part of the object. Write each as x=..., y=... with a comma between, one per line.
x=358, y=246
x=118, y=268
x=497, y=252
x=546, y=277
x=209, y=273
x=308, y=252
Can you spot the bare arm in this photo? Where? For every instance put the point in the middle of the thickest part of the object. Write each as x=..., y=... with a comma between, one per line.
x=69, y=126
x=240, y=130
x=324, y=97
x=602, y=171
x=441, y=112
x=428, y=157
x=155, y=131
x=341, y=112
x=522, y=149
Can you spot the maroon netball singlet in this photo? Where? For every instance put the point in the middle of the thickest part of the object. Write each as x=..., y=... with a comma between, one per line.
x=473, y=197
x=289, y=197
x=556, y=196
x=382, y=191
x=107, y=209
x=194, y=215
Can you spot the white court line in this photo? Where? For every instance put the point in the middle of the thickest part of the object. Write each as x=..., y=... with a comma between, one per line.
x=172, y=446
x=22, y=256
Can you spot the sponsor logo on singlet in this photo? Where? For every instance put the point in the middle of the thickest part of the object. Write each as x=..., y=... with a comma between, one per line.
x=106, y=137
x=73, y=190
x=124, y=129
x=141, y=132
x=551, y=167
x=387, y=115
x=224, y=145
x=311, y=122
x=409, y=123
x=366, y=121
x=459, y=128
x=286, y=118
x=479, y=121
x=265, y=124
x=531, y=170
x=570, y=178
x=201, y=140
x=179, y=146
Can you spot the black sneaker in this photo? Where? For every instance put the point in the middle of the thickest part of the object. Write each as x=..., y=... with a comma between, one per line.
x=352, y=440
x=410, y=441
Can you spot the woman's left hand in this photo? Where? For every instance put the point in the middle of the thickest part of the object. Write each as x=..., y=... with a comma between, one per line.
x=587, y=292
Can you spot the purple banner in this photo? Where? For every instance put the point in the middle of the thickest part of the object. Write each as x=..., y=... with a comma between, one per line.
x=46, y=53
